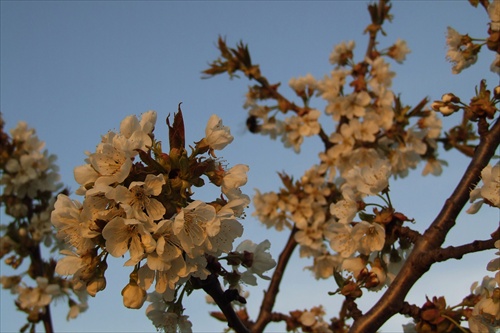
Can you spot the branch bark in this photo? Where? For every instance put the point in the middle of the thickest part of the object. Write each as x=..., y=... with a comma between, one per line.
x=418, y=263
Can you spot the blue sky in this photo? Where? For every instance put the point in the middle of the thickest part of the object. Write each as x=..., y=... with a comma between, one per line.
x=75, y=69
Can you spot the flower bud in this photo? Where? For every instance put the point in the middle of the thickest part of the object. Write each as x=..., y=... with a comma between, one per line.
x=133, y=295
x=436, y=105
x=217, y=136
x=496, y=92
x=372, y=280
x=351, y=289
x=450, y=98
x=10, y=281
x=96, y=285
x=446, y=110
x=23, y=232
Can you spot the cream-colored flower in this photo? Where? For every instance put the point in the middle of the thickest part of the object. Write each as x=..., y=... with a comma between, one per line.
x=494, y=264
x=369, y=180
x=217, y=135
x=461, y=51
x=304, y=86
x=486, y=313
x=489, y=192
x=399, y=51
x=134, y=134
x=112, y=164
x=234, y=177
x=350, y=106
x=342, y=53
x=193, y=225
x=494, y=13
x=381, y=75
x=28, y=170
x=324, y=265
x=124, y=235
x=341, y=238
x=329, y=88
x=369, y=237
x=261, y=260
x=353, y=265
x=71, y=224
x=298, y=127
x=344, y=210
x=138, y=201
x=32, y=298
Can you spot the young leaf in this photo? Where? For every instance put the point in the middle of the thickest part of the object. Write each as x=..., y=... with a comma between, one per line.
x=176, y=133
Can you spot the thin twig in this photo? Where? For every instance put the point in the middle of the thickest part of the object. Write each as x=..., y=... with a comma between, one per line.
x=39, y=270
x=265, y=314
x=457, y=252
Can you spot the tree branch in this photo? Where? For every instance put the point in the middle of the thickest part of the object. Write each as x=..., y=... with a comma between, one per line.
x=457, y=252
x=265, y=314
x=40, y=271
x=418, y=263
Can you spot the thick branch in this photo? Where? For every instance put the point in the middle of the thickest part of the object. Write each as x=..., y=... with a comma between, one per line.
x=418, y=263
x=265, y=314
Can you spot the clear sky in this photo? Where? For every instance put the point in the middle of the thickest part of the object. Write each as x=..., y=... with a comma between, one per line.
x=75, y=69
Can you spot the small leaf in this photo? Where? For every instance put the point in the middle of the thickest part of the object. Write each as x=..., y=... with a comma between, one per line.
x=149, y=161
x=339, y=279
x=176, y=133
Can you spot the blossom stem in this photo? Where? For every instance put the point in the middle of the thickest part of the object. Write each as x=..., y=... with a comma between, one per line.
x=454, y=323
x=376, y=205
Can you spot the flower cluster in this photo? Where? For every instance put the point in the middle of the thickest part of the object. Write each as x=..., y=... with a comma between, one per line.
x=462, y=49
x=375, y=139
x=29, y=180
x=485, y=316
x=138, y=201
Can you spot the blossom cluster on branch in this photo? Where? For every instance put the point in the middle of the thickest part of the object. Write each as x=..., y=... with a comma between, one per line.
x=375, y=137
x=30, y=181
x=138, y=200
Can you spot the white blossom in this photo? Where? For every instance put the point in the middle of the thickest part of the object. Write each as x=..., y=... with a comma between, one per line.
x=260, y=263
x=217, y=135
